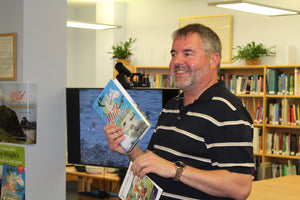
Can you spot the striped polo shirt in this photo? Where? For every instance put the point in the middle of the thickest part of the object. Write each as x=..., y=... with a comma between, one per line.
x=214, y=132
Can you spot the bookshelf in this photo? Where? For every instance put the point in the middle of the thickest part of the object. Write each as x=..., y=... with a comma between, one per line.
x=152, y=72
x=251, y=101
x=268, y=150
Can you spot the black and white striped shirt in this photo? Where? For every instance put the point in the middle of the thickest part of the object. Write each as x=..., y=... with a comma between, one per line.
x=214, y=132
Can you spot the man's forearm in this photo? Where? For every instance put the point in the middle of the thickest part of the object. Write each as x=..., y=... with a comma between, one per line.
x=218, y=182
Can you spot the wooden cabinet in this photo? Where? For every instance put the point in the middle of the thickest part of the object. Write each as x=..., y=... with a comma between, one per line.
x=269, y=128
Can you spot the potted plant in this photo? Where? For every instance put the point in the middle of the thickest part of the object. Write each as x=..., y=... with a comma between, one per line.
x=123, y=50
x=252, y=53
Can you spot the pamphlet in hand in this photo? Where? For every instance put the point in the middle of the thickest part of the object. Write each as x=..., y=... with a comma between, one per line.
x=114, y=105
x=134, y=187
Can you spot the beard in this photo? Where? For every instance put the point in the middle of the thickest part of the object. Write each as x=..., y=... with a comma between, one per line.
x=187, y=80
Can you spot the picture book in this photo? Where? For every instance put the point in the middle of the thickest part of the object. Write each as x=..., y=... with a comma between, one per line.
x=135, y=188
x=13, y=183
x=12, y=172
x=114, y=105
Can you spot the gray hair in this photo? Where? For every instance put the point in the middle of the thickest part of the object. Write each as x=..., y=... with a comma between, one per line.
x=211, y=41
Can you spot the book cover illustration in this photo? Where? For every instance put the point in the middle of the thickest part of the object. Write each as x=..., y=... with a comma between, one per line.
x=12, y=172
x=13, y=183
x=18, y=113
x=114, y=105
x=135, y=188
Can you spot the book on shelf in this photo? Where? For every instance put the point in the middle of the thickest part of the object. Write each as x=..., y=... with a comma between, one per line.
x=291, y=84
x=297, y=81
x=272, y=81
x=134, y=187
x=114, y=105
x=259, y=114
x=257, y=140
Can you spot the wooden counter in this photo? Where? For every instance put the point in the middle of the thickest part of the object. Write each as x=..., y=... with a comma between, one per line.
x=110, y=180
x=287, y=187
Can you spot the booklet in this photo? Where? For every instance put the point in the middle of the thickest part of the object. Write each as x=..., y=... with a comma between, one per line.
x=114, y=105
x=134, y=187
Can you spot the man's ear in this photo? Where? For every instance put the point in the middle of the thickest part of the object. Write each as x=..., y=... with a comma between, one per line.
x=215, y=59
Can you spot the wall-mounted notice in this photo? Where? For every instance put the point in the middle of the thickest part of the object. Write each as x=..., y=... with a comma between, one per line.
x=12, y=171
x=18, y=110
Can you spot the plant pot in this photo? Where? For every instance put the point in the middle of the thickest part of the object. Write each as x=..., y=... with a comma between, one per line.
x=125, y=62
x=252, y=61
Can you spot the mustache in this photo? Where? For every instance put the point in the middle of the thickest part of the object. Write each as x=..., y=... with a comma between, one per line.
x=180, y=67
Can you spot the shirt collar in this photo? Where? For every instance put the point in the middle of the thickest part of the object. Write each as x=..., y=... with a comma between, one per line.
x=209, y=93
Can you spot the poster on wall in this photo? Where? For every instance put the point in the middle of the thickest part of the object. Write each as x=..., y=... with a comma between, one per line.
x=8, y=56
x=18, y=113
x=12, y=172
x=222, y=25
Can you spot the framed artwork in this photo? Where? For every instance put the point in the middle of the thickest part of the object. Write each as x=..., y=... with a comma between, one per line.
x=222, y=25
x=8, y=56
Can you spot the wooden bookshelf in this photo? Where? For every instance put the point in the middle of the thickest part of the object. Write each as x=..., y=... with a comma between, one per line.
x=251, y=99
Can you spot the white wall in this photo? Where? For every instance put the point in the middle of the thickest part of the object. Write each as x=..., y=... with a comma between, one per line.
x=89, y=64
x=81, y=48
x=41, y=47
x=153, y=21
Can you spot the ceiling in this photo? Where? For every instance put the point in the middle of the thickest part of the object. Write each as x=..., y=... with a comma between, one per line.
x=288, y=4
x=78, y=3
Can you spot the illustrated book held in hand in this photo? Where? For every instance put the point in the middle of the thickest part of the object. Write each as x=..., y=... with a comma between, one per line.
x=134, y=187
x=114, y=105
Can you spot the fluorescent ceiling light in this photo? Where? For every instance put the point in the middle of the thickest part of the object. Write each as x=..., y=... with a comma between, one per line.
x=95, y=26
x=247, y=6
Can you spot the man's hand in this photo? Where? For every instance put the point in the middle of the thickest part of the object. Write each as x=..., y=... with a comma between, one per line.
x=114, y=135
x=151, y=163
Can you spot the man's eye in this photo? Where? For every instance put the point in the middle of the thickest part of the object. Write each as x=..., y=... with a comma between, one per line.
x=173, y=55
x=188, y=54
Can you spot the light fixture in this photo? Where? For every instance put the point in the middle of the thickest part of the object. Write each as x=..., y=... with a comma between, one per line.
x=85, y=25
x=247, y=6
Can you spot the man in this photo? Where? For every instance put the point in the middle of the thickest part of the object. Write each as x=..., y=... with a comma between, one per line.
x=202, y=144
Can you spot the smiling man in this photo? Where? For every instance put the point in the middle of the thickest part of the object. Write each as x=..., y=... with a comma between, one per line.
x=202, y=145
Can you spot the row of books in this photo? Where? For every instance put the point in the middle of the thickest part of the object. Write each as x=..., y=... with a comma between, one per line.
x=280, y=83
x=237, y=84
x=161, y=81
x=291, y=168
x=266, y=170
x=285, y=112
x=283, y=144
x=277, y=82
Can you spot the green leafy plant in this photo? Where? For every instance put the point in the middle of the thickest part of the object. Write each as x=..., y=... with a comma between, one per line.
x=123, y=50
x=253, y=50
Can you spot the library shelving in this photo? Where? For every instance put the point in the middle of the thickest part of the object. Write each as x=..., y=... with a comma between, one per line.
x=154, y=73
x=277, y=132
x=152, y=70
x=258, y=97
